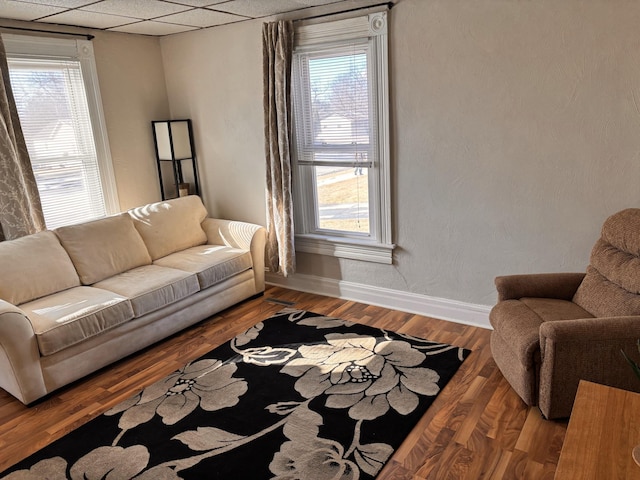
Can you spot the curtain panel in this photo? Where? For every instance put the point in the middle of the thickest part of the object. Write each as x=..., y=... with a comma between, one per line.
x=277, y=49
x=20, y=208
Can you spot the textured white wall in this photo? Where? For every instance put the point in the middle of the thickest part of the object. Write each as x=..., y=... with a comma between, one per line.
x=214, y=77
x=515, y=133
x=133, y=91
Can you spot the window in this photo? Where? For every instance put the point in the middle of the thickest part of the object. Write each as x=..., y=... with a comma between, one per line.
x=341, y=152
x=54, y=84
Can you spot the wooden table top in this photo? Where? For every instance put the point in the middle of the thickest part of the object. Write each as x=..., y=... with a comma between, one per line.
x=603, y=430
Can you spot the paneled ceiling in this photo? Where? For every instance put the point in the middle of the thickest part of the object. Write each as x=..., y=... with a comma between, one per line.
x=152, y=17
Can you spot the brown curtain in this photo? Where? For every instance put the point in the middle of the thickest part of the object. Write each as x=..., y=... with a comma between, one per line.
x=20, y=208
x=277, y=48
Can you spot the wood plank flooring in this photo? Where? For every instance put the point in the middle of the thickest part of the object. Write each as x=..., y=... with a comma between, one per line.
x=477, y=428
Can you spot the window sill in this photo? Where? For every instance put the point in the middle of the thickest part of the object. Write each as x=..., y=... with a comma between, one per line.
x=345, y=248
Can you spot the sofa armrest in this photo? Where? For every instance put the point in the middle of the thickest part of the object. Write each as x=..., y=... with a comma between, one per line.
x=585, y=349
x=20, y=370
x=246, y=236
x=562, y=286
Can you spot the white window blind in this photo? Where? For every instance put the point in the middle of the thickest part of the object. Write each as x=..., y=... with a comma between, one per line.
x=54, y=115
x=55, y=85
x=336, y=113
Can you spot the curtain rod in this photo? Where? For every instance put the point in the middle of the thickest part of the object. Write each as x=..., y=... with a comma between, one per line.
x=389, y=5
x=86, y=35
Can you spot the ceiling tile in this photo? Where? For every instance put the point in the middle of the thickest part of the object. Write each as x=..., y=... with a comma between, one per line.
x=199, y=3
x=135, y=8
x=253, y=9
x=66, y=4
x=152, y=28
x=317, y=3
x=88, y=19
x=200, y=18
x=18, y=10
x=182, y=14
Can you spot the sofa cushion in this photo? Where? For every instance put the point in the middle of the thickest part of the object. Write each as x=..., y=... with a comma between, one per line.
x=211, y=263
x=103, y=248
x=34, y=266
x=171, y=226
x=151, y=287
x=69, y=317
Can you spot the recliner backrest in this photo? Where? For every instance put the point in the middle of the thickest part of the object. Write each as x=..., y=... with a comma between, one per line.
x=611, y=286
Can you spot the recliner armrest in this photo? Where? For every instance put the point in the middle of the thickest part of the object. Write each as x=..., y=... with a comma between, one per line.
x=606, y=329
x=585, y=349
x=562, y=286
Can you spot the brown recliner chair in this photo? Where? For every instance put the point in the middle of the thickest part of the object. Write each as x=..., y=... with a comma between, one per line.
x=552, y=330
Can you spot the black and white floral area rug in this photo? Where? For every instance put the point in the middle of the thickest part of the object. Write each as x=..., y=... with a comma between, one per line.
x=298, y=396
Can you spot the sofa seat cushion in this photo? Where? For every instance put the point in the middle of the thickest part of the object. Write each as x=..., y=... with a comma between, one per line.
x=151, y=287
x=103, y=248
x=211, y=263
x=170, y=226
x=518, y=322
x=69, y=317
x=34, y=266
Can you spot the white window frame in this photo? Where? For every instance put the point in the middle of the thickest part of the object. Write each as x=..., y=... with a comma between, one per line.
x=82, y=51
x=377, y=246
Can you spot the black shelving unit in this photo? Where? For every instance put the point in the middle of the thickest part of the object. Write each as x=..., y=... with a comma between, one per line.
x=176, y=157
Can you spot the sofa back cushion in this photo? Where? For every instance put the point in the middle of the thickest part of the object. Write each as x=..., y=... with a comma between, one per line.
x=103, y=248
x=34, y=266
x=612, y=284
x=170, y=226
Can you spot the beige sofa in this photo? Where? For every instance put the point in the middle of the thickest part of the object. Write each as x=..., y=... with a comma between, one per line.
x=80, y=297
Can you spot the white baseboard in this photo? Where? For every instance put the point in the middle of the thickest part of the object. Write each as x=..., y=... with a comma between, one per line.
x=452, y=310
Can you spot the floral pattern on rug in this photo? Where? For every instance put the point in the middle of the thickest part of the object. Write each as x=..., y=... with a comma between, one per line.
x=298, y=396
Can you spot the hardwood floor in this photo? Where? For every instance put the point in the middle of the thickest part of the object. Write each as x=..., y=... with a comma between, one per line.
x=477, y=428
